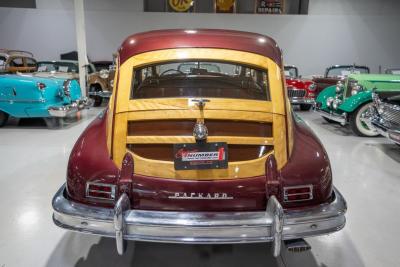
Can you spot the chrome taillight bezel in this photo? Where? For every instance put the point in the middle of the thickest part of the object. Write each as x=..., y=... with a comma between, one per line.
x=66, y=87
x=112, y=192
x=309, y=194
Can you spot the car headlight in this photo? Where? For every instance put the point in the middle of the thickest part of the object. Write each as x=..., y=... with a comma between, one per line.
x=356, y=88
x=339, y=87
x=312, y=87
x=336, y=103
x=329, y=101
x=104, y=74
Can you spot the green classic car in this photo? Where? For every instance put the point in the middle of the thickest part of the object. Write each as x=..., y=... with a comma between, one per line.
x=349, y=101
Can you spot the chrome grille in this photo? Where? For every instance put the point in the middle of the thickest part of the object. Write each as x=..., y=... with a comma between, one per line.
x=296, y=92
x=391, y=113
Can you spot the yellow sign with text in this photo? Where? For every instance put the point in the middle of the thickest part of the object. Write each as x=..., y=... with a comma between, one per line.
x=225, y=5
x=180, y=5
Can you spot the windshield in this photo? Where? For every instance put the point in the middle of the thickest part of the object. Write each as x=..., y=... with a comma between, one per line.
x=200, y=79
x=291, y=72
x=344, y=71
x=58, y=67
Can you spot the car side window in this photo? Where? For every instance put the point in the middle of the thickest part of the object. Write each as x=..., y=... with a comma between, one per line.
x=91, y=69
x=17, y=62
x=2, y=61
x=30, y=62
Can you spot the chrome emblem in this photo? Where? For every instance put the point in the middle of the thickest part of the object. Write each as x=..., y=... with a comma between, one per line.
x=200, y=131
x=199, y=196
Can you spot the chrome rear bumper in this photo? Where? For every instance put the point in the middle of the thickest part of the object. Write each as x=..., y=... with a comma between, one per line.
x=272, y=225
x=66, y=110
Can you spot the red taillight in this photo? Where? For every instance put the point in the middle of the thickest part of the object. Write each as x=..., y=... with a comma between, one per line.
x=297, y=193
x=100, y=191
x=41, y=86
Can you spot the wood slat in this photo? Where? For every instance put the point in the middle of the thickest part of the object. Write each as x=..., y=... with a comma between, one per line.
x=185, y=128
x=190, y=139
x=165, y=152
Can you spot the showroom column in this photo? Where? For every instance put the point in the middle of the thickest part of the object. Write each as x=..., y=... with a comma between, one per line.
x=81, y=43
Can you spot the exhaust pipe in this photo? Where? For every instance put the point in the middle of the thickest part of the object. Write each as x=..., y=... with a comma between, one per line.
x=297, y=245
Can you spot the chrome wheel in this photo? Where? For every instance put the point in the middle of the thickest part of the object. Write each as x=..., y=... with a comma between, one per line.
x=358, y=122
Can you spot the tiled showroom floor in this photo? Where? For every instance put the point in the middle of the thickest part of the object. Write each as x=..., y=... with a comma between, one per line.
x=33, y=164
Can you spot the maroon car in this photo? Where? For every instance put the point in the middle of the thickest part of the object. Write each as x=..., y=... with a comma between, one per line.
x=337, y=73
x=300, y=91
x=199, y=145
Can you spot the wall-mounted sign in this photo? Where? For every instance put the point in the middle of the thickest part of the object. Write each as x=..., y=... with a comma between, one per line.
x=225, y=6
x=269, y=6
x=180, y=5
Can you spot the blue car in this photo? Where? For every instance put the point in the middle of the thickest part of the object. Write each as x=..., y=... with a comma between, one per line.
x=27, y=96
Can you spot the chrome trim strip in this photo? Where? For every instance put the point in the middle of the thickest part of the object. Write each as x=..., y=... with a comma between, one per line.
x=11, y=101
x=272, y=225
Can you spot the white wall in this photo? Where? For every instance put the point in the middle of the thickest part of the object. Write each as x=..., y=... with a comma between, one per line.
x=335, y=32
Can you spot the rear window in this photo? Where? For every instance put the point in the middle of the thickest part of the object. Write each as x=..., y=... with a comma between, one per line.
x=200, y=79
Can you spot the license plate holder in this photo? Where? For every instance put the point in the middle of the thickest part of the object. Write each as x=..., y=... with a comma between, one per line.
x=201, y=156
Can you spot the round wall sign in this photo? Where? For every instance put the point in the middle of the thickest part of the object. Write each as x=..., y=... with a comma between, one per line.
x=180, y=5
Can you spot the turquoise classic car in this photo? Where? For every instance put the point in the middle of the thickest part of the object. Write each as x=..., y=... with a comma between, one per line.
x=350, y=100
x=27, y=96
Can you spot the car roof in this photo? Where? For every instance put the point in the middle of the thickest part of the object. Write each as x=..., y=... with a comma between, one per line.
x=20, y=53
x=200, y=38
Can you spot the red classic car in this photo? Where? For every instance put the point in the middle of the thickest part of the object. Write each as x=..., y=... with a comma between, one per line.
x=199, y=145
x=300, y=91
